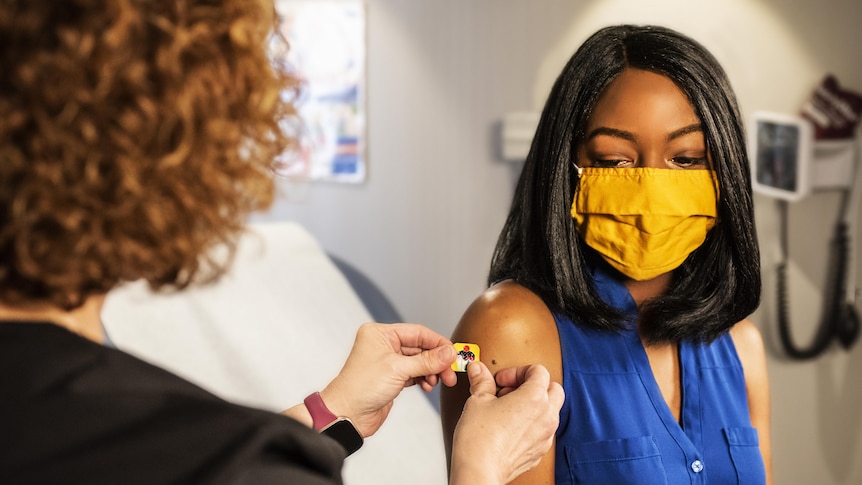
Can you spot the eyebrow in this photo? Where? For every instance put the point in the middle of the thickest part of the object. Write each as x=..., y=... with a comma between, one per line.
x=604, y=130
x=693, y=128
x=627, y=135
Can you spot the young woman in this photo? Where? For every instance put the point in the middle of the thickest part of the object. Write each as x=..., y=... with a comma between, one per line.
x=628, y=265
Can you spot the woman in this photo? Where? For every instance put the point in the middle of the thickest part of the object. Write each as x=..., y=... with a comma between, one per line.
x=135, y=137
x=628, y=266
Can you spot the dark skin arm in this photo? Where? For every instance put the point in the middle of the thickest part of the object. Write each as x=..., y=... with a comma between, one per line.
x=513, y=328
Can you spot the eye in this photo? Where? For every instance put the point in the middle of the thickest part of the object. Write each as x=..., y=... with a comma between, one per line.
x=689, y=162
x=611, y=162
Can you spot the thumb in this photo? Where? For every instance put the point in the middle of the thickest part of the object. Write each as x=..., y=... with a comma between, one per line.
x=481, y=380
x=429, y=362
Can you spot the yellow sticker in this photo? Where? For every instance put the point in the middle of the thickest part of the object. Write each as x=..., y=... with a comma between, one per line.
x=466, y=353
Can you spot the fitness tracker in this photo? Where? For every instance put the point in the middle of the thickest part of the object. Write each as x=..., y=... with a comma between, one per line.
x=340, y=429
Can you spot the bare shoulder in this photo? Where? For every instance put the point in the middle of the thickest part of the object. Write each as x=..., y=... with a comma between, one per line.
x=512, y=327
x=508, y=293
x=748, y=341
x=752, y=354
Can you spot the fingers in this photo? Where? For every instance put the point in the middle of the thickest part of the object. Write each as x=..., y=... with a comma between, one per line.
x=508, y=377
x=384, y=359
x=427, y=364
x=517, y=376
x=529, y=376
x=448, y=377
x=417, y=354
x=409, y=337
x=481, y=380
x=506, y=445
x=438, y=354
x=556, y=396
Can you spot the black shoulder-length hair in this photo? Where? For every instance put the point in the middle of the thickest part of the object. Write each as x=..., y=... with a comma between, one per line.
x=539, y=246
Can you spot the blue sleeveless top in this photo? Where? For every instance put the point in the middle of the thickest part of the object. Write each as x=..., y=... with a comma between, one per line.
x=615, y=426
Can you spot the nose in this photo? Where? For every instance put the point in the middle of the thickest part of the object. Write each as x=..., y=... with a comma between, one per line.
x=654, y=159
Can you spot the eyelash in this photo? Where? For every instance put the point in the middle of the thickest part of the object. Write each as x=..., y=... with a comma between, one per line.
x=681, y=161
x=689, y=161
x=603, y=163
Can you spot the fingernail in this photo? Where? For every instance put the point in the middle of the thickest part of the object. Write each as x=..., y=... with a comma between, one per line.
x=446, y=354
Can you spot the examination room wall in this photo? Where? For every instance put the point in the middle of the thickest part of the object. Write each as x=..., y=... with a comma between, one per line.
x=441, y=75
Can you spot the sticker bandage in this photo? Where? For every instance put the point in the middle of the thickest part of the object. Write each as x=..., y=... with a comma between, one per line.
x=466, y=353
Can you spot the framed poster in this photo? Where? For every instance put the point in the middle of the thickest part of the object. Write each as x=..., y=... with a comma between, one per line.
x=326, y=51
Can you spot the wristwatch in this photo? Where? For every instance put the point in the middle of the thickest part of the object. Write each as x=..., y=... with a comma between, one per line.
x=340, y=429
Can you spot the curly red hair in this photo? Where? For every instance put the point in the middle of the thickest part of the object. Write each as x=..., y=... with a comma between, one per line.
x=135, y=136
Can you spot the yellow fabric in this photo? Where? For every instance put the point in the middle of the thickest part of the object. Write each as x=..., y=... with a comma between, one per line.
x=645, y=221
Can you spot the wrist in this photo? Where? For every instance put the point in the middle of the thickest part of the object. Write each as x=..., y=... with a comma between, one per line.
x=334, y=401
x=299, y=413
x=472, y=470
x=321, y=415
x=339, y=428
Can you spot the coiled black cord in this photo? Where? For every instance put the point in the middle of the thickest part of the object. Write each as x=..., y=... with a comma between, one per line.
x=840, y=319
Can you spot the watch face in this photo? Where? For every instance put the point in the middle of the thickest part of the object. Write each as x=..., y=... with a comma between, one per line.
x=344, y=433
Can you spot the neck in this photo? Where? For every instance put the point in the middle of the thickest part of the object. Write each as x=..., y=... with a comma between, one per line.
x=84, y=320
x=644, y=290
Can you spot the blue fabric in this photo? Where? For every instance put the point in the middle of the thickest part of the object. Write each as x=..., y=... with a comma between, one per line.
x=615, y=426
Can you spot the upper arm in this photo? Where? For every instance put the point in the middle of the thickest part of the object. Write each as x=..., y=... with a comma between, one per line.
x=512, y=327
x=749, y=346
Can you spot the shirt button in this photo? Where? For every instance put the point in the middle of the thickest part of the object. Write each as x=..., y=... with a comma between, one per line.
x=697, y=466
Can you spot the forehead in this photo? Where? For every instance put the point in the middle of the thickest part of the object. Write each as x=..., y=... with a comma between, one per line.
x=638, y=100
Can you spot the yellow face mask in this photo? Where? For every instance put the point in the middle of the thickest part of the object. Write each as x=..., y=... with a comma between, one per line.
x=645, y=221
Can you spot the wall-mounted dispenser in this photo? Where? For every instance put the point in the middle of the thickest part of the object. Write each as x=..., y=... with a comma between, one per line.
x=517, y=134
x=792, y=156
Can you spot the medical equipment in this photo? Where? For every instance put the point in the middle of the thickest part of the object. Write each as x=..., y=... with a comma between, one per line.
x=787, y=163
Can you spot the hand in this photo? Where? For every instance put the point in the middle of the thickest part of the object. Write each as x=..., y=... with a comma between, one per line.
x=499, y=438
x=385, y=359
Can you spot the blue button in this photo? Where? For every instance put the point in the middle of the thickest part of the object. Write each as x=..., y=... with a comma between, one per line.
x=697, y=466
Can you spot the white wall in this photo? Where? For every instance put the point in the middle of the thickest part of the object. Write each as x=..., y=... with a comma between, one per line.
x=441, y=75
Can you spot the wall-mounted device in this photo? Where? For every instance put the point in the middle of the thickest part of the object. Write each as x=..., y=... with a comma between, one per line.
x=782, y=149
x=788, y=164
x=518, y=129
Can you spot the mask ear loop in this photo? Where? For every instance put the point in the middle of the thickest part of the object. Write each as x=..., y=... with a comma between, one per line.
x=579, y=170
x=577, y=188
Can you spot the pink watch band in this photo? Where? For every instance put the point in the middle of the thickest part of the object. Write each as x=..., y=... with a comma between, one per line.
x=320, y=414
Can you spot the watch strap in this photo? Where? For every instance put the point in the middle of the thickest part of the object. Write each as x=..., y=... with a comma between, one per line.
x=340, y=429
x=321, y=416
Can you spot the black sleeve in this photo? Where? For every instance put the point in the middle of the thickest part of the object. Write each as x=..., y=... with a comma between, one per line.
x=87, y=414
